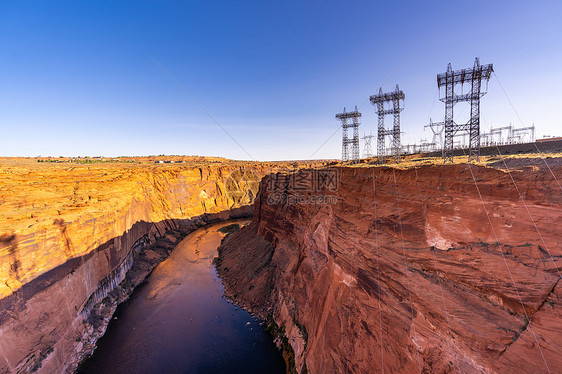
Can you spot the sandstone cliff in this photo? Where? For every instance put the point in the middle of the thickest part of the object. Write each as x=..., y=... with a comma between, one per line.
x=431, y=269
x=69, y=233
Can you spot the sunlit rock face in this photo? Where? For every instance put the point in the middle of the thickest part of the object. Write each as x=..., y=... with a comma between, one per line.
x=404, y=270
x=68, y=233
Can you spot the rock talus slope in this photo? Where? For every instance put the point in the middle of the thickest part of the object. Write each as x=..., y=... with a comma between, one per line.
x=407, y=270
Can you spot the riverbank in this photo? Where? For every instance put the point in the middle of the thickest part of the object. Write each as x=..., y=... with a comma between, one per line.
x=178, y=320
x=68, y=233
x=145, y=259
x=407, y=269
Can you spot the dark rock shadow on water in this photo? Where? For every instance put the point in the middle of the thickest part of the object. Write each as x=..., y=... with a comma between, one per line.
x=178, y=322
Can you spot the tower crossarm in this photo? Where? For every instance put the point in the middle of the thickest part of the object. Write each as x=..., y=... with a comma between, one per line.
x=462, y=76
x=454, y=127
x=396, y=101
x=461, y=127
x=464, y=97
x=387, y=132
x=387, y=97
x=521, y=129
x=449, y=80
x=498, y=130
x=350, y=145
x=390, y=111
x=436, y=127
x=347, y=115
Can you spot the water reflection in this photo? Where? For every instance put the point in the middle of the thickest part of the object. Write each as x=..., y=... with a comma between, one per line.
x=178, y=322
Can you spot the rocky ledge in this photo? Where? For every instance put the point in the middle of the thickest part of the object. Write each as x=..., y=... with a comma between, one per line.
x=70, y=233
x=436, y=269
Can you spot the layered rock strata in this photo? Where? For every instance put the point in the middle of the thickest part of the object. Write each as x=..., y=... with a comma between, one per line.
x=431, y=269
x=75, y=239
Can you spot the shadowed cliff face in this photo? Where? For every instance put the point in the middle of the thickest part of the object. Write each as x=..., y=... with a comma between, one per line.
x=51, y=213
x=405, y=270
x=69, y=234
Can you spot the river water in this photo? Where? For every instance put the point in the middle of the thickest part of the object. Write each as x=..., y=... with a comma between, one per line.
x=178, y=322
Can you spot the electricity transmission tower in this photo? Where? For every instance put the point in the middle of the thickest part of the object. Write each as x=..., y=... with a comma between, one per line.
x=508, y=135
x=519, y=135
x=396, y=98
x=499, y=131
x=449, y=80
x=437, y=130
x=350, y=120
x=367, y=150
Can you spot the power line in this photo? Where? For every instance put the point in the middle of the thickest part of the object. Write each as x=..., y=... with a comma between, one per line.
x=173, y=79
x=507, y=266
x=360, y=106
x=438, y=280
x=406, y=267
x=350, y=120
x=535, y=143
x=449, y=80
x=527, y=209
x=395, y=97
x=378, y=268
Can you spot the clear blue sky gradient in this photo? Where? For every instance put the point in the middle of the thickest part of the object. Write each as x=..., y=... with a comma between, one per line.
x=76, y=78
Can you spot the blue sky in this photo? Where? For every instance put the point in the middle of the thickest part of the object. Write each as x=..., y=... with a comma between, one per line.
x=77, y=78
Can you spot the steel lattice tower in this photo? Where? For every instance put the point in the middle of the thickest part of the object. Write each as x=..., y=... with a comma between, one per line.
x=367, y=150
x=499, y=131
x=396, y=98
x=520, y=133
x=345, y=117
x=437, y=130
x=449, y=80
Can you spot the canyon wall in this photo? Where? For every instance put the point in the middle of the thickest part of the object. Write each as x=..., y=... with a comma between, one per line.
x=431, y=269
x=70, y=233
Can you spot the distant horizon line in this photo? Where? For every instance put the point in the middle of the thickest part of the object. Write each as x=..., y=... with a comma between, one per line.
x=163, y=156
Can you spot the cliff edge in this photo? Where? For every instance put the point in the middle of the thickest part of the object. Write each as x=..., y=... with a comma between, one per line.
x=76, y=238
x=436, y=268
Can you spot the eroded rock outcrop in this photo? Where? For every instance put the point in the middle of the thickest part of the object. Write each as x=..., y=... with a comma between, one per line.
x=407, y=270
x=70, y=233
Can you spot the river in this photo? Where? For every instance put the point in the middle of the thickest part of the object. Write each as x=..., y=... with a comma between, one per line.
x=178, y=322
